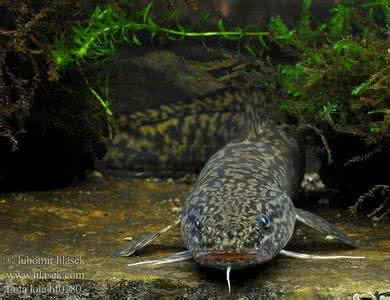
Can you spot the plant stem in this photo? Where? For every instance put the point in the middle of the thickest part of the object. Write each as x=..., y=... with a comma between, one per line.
x=213, y=33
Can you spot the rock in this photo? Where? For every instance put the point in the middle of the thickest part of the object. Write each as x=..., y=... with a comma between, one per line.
x=94, y=176
x=312, y=182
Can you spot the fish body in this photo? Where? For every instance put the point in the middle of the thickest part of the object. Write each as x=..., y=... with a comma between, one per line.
x=179, y=136
x=240, y=212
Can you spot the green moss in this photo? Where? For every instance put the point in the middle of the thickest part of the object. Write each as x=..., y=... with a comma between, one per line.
x=375, y=127
x=343, y=68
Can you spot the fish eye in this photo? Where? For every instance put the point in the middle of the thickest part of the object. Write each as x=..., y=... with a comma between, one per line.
x=263, y=221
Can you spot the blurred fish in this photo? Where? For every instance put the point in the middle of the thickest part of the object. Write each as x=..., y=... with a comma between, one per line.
x=179, y=136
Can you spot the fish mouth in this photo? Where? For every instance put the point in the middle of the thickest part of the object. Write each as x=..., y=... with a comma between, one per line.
x=236, y=259
x=227, y=255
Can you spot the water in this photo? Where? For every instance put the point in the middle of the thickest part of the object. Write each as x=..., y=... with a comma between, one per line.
x=59, y=242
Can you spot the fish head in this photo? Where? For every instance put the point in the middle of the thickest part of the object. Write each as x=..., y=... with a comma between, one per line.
x=243, y=236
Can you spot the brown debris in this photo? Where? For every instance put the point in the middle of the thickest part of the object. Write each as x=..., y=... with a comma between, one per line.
x=36, y=105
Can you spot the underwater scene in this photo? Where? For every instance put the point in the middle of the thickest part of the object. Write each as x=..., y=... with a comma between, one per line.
x=188, y=149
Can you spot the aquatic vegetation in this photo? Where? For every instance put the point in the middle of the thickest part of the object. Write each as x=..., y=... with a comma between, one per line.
x=340, y=62
x=339, y=79
x=107, y=27
x=342, y=72
x=340, y=83
x=327, y=111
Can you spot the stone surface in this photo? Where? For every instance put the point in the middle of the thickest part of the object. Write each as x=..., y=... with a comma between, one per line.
x=91, y=221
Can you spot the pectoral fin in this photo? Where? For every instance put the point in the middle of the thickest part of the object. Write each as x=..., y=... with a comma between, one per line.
x=135, y=245
x=322, y=225
x=309, y=256
x=138, y=244
x=180, y=256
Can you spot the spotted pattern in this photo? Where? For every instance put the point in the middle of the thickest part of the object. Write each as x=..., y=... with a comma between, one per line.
x=245, y=179
x=181, y=136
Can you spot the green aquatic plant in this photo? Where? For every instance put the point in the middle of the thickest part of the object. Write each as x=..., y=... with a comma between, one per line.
x=340, y=23
x=375, y=127
x=107, y=27
x=106, y=103
x=281, y=33
x=342, y=70
x=328, y=111
x=340, y=83
x=342, y=60
x=98, y=38
x=381, y=5
x=301, y=36
x=378, y=81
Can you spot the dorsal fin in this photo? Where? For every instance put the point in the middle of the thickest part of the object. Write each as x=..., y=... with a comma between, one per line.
x=252, y=116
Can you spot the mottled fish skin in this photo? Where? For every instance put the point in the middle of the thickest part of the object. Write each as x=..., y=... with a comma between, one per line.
x=246, y=179
x=179, y=136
